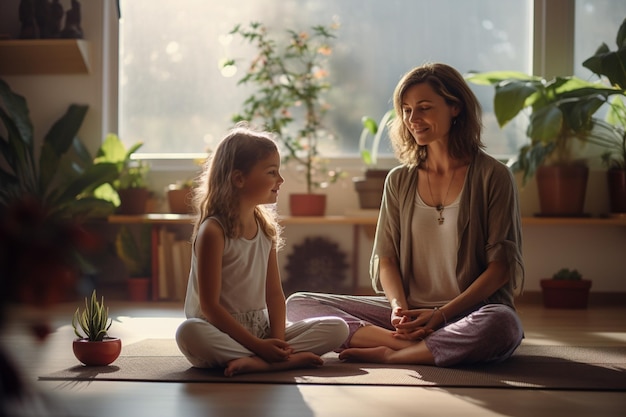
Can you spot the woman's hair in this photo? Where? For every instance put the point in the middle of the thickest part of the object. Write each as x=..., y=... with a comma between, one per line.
x=465, y=131
x=215, y=194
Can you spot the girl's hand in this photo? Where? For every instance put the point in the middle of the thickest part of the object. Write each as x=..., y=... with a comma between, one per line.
x=273, y=350
x=415, y=324
x=397, y=317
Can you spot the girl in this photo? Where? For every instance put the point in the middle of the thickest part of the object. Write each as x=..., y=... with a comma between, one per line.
x=235, y=305
x=447, y=251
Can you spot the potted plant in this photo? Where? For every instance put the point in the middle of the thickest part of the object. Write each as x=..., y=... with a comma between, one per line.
x=561, y=121
x=131, y=183
x=611, y=66
x=566, y=289
x=135, y=252
x=179, y=197
x=370, y=187
x=93, y=346
x=290, y=80
x=63, y=177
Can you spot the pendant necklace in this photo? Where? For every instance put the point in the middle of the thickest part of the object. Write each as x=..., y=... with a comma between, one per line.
x=439, y=207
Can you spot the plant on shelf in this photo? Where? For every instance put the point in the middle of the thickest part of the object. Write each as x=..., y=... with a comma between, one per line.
x=135, y=252
x=610, y=66
x=561, y=121
x=130, y=187
x=566, y=289
x=179, y=196
x=93, y=345
x=370, y=187
x=64, y=176
x=290, y=81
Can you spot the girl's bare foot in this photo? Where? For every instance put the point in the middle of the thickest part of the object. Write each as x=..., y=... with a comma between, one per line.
x=379, y=354
x=255, y=364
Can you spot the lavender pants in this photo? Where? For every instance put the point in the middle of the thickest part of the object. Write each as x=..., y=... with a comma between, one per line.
x=488, y=333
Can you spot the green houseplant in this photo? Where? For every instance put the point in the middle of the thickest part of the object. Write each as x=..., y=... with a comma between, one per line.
x=129, y=188
x=93, y=346
x=610, y=66
x=370, y=186
x=63, y=176
x=561, y=121
x=290, y=80
x=566, y=289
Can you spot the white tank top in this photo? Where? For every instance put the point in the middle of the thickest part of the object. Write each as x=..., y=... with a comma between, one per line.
x=435, y=248
x=244, y=271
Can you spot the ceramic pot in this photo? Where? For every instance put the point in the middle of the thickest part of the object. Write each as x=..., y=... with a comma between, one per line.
x=97, y=353
x=617, y=190
x=179, y=200
x=139, y=288
x=370, y=188
x=564, y=293
x=307, y=204
x=133, y=200
x=562, y=189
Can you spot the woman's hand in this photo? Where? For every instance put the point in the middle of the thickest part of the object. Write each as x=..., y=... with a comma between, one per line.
x=413, y=324
x=273, y=350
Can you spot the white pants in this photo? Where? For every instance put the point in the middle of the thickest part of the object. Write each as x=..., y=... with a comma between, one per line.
x=205, y=346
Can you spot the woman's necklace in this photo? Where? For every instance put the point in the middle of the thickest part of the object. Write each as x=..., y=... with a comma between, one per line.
x=439, y=207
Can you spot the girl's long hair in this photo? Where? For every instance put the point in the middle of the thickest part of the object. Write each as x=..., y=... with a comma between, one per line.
x=215, y=194
x=465, y=131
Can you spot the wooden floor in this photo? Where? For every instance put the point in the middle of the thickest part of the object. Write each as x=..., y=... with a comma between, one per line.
x=596, y=326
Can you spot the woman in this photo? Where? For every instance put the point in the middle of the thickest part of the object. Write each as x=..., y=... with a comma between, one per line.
x=447, y=250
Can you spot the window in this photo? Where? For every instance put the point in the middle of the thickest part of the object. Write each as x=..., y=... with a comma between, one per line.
x=597, y=21
x=174, y=97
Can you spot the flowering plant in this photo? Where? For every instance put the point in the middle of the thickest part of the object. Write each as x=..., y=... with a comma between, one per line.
x=290, y=79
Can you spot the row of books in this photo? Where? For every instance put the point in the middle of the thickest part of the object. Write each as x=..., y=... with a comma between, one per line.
x=174, y=263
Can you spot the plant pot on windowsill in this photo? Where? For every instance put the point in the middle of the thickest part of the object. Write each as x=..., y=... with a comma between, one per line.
x=307, y=204
x=179, y=199
x=566, y=289
x=370, y=188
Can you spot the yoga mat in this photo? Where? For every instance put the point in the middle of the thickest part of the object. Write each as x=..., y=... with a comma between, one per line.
x=531, y=367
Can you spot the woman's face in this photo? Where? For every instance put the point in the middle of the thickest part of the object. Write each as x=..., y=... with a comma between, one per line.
x=426, y=114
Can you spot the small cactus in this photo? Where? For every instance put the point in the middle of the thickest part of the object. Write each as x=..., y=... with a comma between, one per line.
x=567, y=274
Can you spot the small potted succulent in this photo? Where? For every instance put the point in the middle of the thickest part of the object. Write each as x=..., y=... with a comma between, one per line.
x=93, y=346
x=566, y=289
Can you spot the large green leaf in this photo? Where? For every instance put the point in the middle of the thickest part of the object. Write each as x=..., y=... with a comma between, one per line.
x=58, y=141
x=17, y=110
x=545, y=124
x=510, y=98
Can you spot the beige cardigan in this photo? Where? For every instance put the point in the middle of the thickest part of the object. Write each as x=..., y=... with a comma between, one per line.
x=489, y=225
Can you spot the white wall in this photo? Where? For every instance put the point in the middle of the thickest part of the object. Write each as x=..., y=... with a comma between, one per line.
x=598, y=252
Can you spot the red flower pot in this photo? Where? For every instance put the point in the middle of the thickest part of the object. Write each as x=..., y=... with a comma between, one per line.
x=97, y=353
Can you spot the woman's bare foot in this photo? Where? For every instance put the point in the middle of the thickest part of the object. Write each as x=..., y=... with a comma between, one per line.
x=255, y=364
x=379, y=354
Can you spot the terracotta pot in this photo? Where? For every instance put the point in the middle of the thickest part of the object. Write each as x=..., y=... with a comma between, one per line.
x=563, y=293
x=139, y=288
x=97, y=353
x=307, y=204
x=179, y=200
x=617, y=190
x=370, y=188
x=562, y=189
x=133, y=200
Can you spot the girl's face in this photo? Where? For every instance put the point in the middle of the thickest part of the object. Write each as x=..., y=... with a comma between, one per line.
x=426, y=114
x=262, y=183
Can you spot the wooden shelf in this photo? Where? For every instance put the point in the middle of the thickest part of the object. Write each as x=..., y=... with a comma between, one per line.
x=164, y=218
x=44, y=56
